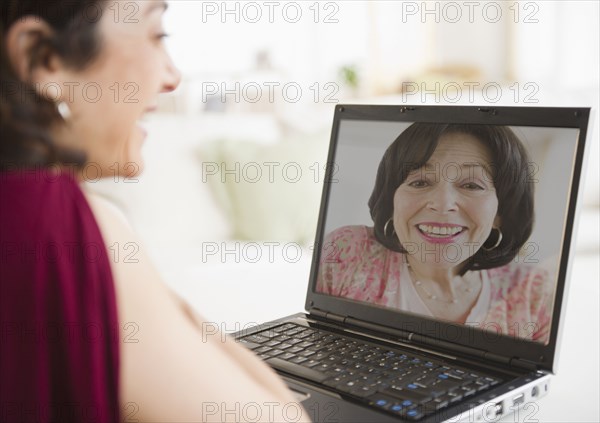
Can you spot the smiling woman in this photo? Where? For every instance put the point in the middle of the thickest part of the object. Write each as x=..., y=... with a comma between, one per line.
x=452, y=206
x=86, y=338
x=96, y=73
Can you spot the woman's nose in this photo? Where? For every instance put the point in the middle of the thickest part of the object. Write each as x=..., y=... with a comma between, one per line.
x=443, y=198
x=172, y=77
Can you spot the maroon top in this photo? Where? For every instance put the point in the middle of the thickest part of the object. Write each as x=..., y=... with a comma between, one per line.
x=59, y=348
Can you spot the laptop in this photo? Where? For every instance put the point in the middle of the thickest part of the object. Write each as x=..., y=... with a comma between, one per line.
x=440, y=267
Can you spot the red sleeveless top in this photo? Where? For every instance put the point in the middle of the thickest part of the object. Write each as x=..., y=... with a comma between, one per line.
x=59, y=348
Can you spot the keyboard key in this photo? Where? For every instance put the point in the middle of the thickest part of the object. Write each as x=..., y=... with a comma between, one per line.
x=320, y=355
x=427, y=380
x=468, y=390
x=397, y=408
x=481, y=385
x=363, y=391
x=348, y=385
x=298, y=360
x=381, y=401
x=294, y=331
x=248, y=344
x=446, y=384
x=454, y=376
x=257, y=339
x=311, y=363
x=336, y=380
x=304, y=336
x=323, y=367
x=284, y=346
x=282, y=328
x=415, y=395
x=492, y=381
x=454, y=396
x=286, y=356
x=436, y=404
x=414, y=414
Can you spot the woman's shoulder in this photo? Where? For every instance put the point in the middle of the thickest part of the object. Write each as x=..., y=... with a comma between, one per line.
x=47, y=222
x=354, y=243
x=520, y=277
x=350, y=234
x=518, y=271
x=56, y=275
x=43, y=203
x=348, y=240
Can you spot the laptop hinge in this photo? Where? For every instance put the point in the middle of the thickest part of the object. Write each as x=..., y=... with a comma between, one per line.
x=523, y=364
x=328, y=315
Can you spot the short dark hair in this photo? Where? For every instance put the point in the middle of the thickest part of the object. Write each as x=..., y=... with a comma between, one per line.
x=510, y=174
x=25, y=116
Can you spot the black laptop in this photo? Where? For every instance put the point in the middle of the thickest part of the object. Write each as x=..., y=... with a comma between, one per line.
x=441, y=264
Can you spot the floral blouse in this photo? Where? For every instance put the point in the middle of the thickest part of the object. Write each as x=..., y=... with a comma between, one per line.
x=515, y=299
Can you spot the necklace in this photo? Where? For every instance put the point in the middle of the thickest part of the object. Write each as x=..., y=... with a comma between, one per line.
x=431, y=296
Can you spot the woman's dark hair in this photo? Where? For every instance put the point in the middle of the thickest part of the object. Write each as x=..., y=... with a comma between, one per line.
x=510, y=165
x=25, y=116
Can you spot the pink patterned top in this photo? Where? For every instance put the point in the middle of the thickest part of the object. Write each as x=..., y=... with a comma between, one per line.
x=515, y=299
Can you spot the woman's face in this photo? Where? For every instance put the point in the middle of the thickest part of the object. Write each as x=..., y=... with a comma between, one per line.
x=445, y=211
x=111, y=95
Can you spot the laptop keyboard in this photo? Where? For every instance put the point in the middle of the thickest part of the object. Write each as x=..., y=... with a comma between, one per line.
x=399, y=382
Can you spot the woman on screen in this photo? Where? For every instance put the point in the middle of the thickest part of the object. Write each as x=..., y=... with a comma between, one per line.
x=452, y=206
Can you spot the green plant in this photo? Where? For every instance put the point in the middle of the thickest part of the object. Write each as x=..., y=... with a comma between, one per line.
x=350, y=75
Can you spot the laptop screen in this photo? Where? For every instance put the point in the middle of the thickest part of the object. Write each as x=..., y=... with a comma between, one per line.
x=454, y=222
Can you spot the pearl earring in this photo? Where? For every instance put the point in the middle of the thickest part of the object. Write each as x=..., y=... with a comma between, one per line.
x=64, y=110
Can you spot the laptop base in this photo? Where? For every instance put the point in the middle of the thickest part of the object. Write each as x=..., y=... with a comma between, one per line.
x=514, y=395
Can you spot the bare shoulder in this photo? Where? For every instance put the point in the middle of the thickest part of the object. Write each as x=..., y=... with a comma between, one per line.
x=135, y=273
x=109, y=217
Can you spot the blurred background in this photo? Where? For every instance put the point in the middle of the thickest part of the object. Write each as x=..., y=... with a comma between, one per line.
x=227, y=205
x=261, y=79
x=238, y=150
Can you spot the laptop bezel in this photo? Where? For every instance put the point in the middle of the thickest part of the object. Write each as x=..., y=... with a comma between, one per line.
x=542, y=356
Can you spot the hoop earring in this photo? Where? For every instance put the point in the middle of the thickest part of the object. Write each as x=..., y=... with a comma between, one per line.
x=64, y=110
x=385, y=228
x=498, y=241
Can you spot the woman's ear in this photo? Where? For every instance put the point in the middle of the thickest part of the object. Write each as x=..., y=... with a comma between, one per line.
x=29, y=51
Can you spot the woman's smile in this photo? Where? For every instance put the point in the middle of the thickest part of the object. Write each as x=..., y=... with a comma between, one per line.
x=443, y=233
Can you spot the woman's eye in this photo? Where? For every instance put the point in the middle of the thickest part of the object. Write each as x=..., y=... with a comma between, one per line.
x=162, y=36
x=472, y=186
x=418, y=184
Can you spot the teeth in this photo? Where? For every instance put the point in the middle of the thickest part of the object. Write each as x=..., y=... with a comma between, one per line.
x=443, y=230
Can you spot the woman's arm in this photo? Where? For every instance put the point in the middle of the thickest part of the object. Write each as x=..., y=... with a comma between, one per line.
x=170, y=370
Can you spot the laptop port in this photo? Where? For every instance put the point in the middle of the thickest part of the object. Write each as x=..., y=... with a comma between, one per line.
x=518, y=400
x=493, y=411
x=535, y=391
